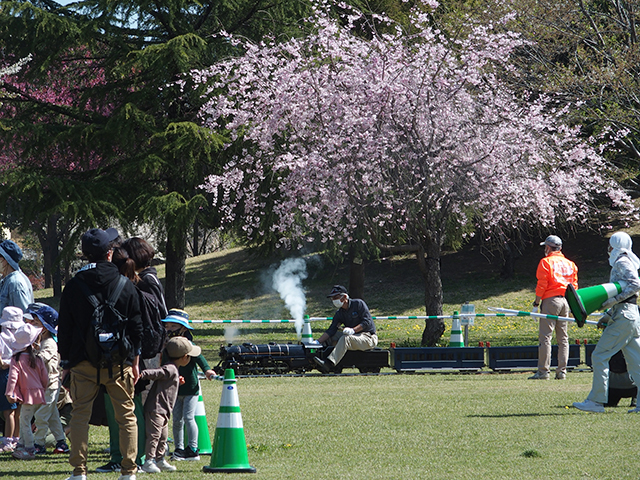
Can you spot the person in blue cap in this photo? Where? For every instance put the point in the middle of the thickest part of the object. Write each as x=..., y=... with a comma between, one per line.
x=184, y=410
x=15, y=286
x=47, y=417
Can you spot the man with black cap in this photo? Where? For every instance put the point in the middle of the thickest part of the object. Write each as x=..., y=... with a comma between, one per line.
x=74, y=321
x=15, y=286
x=554, y=273
x=359, y=332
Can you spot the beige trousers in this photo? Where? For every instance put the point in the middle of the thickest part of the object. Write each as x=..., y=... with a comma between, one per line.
x=84, y=390
x=359, y=341
x=559, y=307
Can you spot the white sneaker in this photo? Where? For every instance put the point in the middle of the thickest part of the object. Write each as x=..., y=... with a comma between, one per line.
x=150, y=466
x=589, y=406
x=540, y=376
x=165, y=466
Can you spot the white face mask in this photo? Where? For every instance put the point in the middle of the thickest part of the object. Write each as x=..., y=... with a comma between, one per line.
x=337, y=303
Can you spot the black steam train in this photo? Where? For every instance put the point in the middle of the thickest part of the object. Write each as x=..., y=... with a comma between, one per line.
x=279, y=358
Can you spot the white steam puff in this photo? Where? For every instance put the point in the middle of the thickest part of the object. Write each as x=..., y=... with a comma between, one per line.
x=287, y=281
x=230, y=334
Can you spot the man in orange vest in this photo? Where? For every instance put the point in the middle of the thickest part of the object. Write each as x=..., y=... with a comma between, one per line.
x=554, y=273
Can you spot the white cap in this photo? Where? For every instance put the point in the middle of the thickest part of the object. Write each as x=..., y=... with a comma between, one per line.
x=552, y=241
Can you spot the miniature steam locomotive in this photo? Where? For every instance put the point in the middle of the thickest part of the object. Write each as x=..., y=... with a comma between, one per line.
x=279, y=358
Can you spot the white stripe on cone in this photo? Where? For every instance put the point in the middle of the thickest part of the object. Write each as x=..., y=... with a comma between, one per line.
x=229, y=420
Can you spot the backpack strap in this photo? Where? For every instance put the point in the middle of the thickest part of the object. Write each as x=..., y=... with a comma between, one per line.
x=93, y=300
x=155, y=280
x=113, y=298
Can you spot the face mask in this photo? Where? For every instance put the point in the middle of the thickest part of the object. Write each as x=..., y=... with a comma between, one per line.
x=174, y=333
x=337, y=303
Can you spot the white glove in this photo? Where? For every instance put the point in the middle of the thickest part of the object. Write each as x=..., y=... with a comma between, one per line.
x=348, y=331
x=535, y=310
x=609, y=303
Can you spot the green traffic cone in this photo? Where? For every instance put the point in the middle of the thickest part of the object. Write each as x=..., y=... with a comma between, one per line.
x=229, y=444
x=456, y=339
x=584, y=301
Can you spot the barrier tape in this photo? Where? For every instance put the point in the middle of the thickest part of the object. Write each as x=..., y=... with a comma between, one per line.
x=504, y=312
x=519, y=313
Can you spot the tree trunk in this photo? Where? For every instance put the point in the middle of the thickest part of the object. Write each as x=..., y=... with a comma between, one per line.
x=356, y=276
x=429, y=263
x=196, y=234
x=54, y=254
x=508, y=264
x=49, y=243
x=46, y=257
x=175, y=273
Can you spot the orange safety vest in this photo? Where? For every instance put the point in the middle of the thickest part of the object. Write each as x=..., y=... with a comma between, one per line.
x=554, y=273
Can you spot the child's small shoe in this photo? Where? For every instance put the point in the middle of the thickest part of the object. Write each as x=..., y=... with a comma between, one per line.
x=61, y=447
x=165, y=466
x=9, y=444
x=39, y=449
x=191, y=455
x=24, y=453
x=150, y=466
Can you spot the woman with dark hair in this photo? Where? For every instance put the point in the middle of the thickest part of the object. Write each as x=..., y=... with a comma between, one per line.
x=142, y=253
x=125, y=264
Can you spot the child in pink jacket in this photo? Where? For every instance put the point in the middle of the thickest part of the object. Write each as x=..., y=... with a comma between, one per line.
x=28, y=380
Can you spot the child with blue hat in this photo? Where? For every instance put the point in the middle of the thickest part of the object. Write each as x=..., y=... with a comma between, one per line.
x=47, y=416
x=177, y=324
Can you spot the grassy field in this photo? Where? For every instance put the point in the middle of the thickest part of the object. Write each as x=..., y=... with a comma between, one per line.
x=493, y=426
x=431, y=426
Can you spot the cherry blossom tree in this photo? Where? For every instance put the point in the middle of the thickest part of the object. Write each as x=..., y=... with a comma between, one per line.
x=413, y=136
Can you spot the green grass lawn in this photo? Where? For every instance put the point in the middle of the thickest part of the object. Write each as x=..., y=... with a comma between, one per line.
x=493, y=426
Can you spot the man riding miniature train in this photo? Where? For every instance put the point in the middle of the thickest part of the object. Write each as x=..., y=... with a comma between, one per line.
x=359, y=332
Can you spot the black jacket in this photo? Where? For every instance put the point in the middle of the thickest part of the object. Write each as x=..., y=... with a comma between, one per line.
x=75, y=311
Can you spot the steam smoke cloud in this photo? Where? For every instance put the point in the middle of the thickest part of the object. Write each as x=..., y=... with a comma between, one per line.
x=287, y=281
x=230, y=334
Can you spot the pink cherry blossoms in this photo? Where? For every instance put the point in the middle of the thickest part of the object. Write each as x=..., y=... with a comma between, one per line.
x=413, y=136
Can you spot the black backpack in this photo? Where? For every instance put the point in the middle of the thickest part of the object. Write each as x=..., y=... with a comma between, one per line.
x=106, y=343
x=153, y=332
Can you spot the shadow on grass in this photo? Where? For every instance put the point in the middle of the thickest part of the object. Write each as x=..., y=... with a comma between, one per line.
x=23, y=473
x=520, y=415
x=14, y=468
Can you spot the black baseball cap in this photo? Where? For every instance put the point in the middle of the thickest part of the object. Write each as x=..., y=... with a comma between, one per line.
x=97, y=242
x=337, y=290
